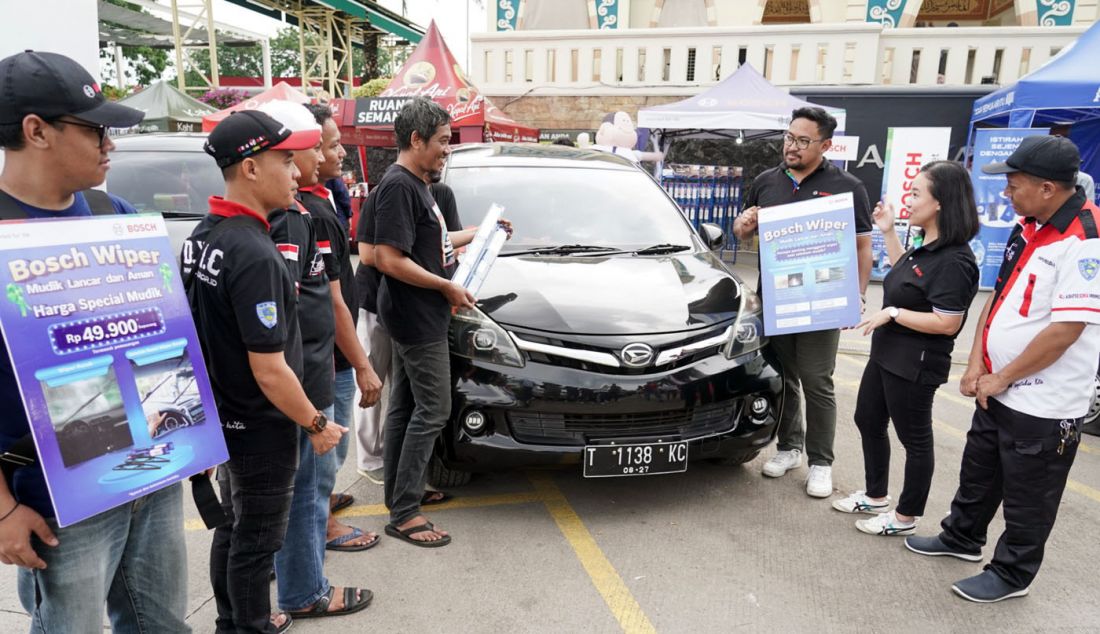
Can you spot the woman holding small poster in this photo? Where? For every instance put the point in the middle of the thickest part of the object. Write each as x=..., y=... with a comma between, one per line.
x=925, y=298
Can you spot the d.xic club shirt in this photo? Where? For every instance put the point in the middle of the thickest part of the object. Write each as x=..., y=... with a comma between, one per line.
x=243, y=300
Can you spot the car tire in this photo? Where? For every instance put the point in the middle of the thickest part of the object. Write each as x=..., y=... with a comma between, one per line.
x=442, y=477
x=736, y=459
x=1092, y=419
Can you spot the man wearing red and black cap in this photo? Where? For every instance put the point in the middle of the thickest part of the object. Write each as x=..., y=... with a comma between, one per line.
x=246, y=314
x=53, y=128
x=1031, y=369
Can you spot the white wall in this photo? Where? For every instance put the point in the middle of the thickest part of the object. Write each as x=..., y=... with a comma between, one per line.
x=69, y=27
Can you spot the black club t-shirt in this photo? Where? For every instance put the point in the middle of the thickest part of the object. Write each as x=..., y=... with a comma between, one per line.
x=243, y=300
x=930, y=278
x=335, y=250
x=295, y=238
x=408, y=219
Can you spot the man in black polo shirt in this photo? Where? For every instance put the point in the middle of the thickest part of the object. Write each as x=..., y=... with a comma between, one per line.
x=412, y=250
x=245, y=307
x=808, y=358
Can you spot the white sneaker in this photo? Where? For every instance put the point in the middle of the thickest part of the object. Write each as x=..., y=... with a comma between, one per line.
x=858, y=502
x=782, y=462
x=886, y=524
x=819, y=482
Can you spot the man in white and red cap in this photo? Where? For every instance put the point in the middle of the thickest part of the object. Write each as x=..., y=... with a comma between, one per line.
x=246, y=312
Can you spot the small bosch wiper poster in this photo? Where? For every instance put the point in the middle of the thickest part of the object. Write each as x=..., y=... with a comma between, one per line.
x=99, y=333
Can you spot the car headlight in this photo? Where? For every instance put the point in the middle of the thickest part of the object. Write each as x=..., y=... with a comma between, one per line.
x=748, y=329
x=475, y=336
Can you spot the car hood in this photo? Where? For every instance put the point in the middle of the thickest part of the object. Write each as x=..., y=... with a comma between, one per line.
x=610, y=295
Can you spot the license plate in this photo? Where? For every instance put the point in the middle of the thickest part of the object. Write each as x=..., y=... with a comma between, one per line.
x=608, y=461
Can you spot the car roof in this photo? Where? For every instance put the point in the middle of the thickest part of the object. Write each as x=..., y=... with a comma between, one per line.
x=159, y=142
x=534, y=155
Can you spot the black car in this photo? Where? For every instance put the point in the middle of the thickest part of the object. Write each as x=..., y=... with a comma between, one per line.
x=608, y=333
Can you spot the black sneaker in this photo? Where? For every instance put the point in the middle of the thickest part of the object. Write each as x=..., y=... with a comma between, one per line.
x=987, y=587
x=933, y=547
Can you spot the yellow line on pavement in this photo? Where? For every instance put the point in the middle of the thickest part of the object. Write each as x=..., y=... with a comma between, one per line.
x=1072, y=485
x=969, y=402
x=603, y=575
x=376, y=510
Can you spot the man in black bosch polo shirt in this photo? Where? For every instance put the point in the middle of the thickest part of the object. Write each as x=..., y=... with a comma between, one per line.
x=246, y=313
x=808, y=358
x=1031, y=368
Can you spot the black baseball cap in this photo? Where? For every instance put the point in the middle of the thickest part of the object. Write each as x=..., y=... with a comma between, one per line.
x=51, y=85
x=1051, y=157
x=246, y=133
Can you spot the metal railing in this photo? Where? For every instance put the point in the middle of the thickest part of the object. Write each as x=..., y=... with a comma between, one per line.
x=683, y=60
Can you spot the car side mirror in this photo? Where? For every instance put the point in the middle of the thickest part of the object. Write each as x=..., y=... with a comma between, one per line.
x=712, y=235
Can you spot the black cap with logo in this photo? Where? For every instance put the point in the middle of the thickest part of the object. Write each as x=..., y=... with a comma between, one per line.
x=248, y=132
x=1051, y=157
x=51, y=85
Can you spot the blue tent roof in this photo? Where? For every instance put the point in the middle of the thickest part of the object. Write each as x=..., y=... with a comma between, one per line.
x=1066, y=88
x=743, y=101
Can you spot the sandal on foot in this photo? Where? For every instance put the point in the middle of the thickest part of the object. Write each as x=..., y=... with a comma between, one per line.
x=340, y=544
x=279, y=629
x=406, y=535
x=351, y=604
x=342, y=501
x=430, y=498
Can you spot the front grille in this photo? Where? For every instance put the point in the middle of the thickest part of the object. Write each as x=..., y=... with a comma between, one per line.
x=547, y=428
x=614, y=350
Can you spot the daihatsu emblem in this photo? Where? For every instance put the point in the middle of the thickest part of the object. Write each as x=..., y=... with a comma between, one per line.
x=636, y=355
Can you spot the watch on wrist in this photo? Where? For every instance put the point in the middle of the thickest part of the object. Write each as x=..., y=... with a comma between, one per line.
x=893, y=312
x=318, y=425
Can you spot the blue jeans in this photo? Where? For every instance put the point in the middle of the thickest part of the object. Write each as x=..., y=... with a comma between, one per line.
x=342, y=411
x=419, y=409
x=299, y=565
x=131, y=557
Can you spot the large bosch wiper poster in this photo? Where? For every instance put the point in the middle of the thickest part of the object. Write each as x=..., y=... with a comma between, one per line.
x=100, y=335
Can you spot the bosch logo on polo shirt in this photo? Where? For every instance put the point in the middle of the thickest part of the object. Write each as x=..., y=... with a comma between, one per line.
x=1049, y=274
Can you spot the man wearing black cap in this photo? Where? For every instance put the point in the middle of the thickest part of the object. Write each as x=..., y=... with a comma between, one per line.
x=245, y=308
x=1031, y=369
x=53, y=128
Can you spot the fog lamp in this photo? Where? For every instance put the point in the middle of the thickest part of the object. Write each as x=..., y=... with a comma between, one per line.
x=474, y=422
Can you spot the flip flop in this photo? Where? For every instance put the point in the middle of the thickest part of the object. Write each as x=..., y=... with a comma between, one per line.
x=343, y=500
x=340, y=544
x=351, y=604
x=406, y=535
x=428, y=500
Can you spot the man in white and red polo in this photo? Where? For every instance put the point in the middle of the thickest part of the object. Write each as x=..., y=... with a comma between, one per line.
x=1031, y=369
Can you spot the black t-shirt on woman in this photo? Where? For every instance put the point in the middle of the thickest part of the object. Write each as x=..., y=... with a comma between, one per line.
x=930, y=278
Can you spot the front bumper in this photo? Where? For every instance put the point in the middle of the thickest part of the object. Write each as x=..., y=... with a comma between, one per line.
x=545, y=414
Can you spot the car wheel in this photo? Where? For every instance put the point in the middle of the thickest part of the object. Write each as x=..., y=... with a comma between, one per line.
x=1092, y=419
x=737, y=459
x=440, y=476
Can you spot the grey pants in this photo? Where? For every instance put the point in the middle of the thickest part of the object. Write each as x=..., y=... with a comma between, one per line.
x=808, y=359
x=370, y=422
x=420, y=404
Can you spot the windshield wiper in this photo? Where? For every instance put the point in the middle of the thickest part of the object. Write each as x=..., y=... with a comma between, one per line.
x=662, y=248
x=561, y=249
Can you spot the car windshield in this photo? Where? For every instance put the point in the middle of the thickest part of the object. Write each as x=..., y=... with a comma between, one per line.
x=552, y=207
x=165, y=181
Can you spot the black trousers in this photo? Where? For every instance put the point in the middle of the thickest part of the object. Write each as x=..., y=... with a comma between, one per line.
x=256, y=490
x=883, y=397
x=1010, y=457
